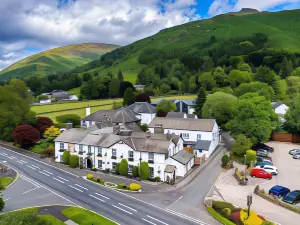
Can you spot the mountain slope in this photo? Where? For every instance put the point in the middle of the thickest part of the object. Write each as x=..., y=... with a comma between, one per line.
x=56, y=60
x=282, y=29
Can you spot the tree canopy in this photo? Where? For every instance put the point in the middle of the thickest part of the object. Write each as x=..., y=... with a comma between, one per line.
x=164, y=107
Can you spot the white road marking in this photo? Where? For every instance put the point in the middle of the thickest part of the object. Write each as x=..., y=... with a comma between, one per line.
x=1, y=153
x=62, y=178
x=75, y=188
x=148, y=221
x=128, y=207
x=20, y=162
x=102, y=196
x=6, y=199
x=36, y=167
x=58, y=180
x=23, y=161
x=80, y=186
x=157, y=220
x=30, y=190
x=175, y=202
x=29, y=180
x=122, y=209
x=46, y=174
x=12, y=157
x=31, y=167
x=96, y=198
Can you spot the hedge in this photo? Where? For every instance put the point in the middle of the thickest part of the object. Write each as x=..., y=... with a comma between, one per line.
x=69, y=118
x=74, y=161
x=123, y=167
x=66, y=157
x=219, y=217
x=144, y=171
x=222, y=205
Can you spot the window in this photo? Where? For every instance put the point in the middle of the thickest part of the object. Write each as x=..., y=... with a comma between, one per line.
x=100, y=164
x=89, y=150
x=151, y=172
x=130, y=156
x=185, y=135
x=130, y=169
x=198, y=136
x=114, y=154
x=81, y=160
x=80, y=148
x=62, y=146
x=150, y=157
x=99, y=151
x=114, y=166
x=90, y=123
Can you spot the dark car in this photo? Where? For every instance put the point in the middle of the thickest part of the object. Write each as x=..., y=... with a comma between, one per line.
x=292, y=197
x=262, y=152
x=261, y=158
x=263, y=146
x=264, y=163
x=279, y=191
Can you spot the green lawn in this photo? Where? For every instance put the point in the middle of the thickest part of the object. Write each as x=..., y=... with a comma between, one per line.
x=85, y=217
x=6, y=181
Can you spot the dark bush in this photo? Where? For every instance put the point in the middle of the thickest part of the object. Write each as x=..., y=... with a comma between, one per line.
x=69, y=118
x=225, y=160
x=98, y=179
x=25, y=135
x=142, y=97
x=117, y=169
x=49, y=152
x=157, y=179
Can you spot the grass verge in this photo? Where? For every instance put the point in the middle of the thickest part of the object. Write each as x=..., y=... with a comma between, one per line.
x=5, y=181
x=219, y=217
x=85, y=217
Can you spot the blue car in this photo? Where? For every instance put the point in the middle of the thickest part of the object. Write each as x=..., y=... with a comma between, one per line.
x=292, y=197
x=279, y=191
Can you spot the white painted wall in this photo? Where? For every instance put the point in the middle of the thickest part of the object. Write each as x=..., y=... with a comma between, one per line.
x=191, y=110
x=146, y=118
x=281, y=109
x=181, y=170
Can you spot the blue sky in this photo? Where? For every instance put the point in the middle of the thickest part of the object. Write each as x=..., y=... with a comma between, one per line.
x=31, y=26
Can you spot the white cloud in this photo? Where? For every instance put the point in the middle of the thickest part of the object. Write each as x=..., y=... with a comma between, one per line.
x=40, y=24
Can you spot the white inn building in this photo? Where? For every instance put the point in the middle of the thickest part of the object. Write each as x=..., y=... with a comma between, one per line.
x=103, y=146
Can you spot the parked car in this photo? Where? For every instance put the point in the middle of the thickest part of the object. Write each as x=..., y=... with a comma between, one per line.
x=279, y=191
x=296, y=156
x=294, y=151
x=260, y=173
x=263, y=163
x=292, y=197
x=262, y=152
x=263, y=146
x=261, y=158
x=270, y=169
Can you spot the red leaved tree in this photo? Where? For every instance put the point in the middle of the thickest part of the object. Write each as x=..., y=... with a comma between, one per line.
x=25, y=135
x=142, y=97
x=43, y=123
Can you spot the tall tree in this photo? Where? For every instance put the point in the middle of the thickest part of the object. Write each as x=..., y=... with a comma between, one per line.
x=114, y=88
x=164, y=107
x=266, y=75
x=292, y=118
x=120, y=76
x=200, y=100
x=286, y=68
x=129, y=97
x=219, y=75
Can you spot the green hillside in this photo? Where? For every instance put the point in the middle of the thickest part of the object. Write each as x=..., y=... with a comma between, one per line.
x=281, y=28
x=56, y=60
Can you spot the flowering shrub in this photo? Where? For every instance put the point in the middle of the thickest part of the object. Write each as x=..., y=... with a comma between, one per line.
x=89, y=176
x=253, y=219
x=135, y=187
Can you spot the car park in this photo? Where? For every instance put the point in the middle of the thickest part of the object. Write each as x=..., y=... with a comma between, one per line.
x=270, y=169
x=279, y=191
x=296, y=156
x=260, y=173
x=261, y=158
x=294, y=151
x=292, y=197
x=261, y=152
x=262, y=146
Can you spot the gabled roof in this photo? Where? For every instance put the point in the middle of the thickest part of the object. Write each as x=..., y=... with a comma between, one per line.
x=276, y=104
x=175, y=115
x=170, y=168
x=183, y=124
x=183, y=157
x=203, y=145
x=142, y=107
x=73, y=136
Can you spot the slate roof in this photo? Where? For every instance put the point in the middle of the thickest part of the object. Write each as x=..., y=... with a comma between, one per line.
x=277, y=104
x=169, y=168
x=60, y=95
x=202, y=145
x=183, y=124
x=175, y=115
x=142, y=107
x=183, y=157
x=73, y=136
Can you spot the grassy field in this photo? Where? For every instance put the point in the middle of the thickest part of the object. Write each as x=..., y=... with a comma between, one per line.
x=5, y=181
x=56, y=60
x=77, y=215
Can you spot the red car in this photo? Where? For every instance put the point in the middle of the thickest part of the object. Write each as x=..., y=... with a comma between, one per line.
x=260, y=173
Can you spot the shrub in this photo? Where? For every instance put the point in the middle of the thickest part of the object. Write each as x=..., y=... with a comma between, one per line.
x=236, y=217
x=226, y=212
x=42, y=97
x=98, y=179
x=2, y=204
x=144, y=171
x=222, y=205
x=157, y=179
x=43, y=123
x=49, y=152
x=69, y=118
x=225, y=160
x=25, y=135
x=267, y=223
x=219, y=217
x=51, y=133
x=253, y=219
x=144, y=127
x=66, y=157
x=94, y=168
x=81, y=166
x=123, y=167
x=142, y=97
x=74, y=161
x=89, y=176
x=135, y=171
x=117, y=168
x=135, y=187
x=250, y=157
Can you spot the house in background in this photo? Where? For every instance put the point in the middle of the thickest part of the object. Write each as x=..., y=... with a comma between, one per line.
x=139, y=86
x=181, y=115
x=144, y=111
x=183, y=106
x=280, y=109
x=104, y=147
x=58, y=95
x=191, y=130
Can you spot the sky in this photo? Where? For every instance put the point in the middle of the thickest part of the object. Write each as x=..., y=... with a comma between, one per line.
x=31, y=26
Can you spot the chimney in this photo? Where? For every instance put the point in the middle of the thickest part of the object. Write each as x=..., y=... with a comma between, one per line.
x=69, y=126
x=88, y=111
x=116, y=129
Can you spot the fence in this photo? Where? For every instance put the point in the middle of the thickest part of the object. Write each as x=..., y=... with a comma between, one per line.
x=285, y=137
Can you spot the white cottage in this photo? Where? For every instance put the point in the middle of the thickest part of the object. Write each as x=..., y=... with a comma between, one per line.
x=105, y=147
x=145, y=111
x=280, y=108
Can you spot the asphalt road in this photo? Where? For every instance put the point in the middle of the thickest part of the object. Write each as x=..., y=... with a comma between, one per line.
x=117, y=206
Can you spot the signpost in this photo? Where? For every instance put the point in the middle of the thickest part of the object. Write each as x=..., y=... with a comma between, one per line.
x=249, y=203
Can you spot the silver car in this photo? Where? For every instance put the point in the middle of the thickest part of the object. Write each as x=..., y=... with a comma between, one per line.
x=296, y=156
x=294, y=151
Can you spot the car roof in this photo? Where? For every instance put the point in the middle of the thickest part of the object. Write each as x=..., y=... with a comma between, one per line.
x=296, y=191
x=278, y=187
